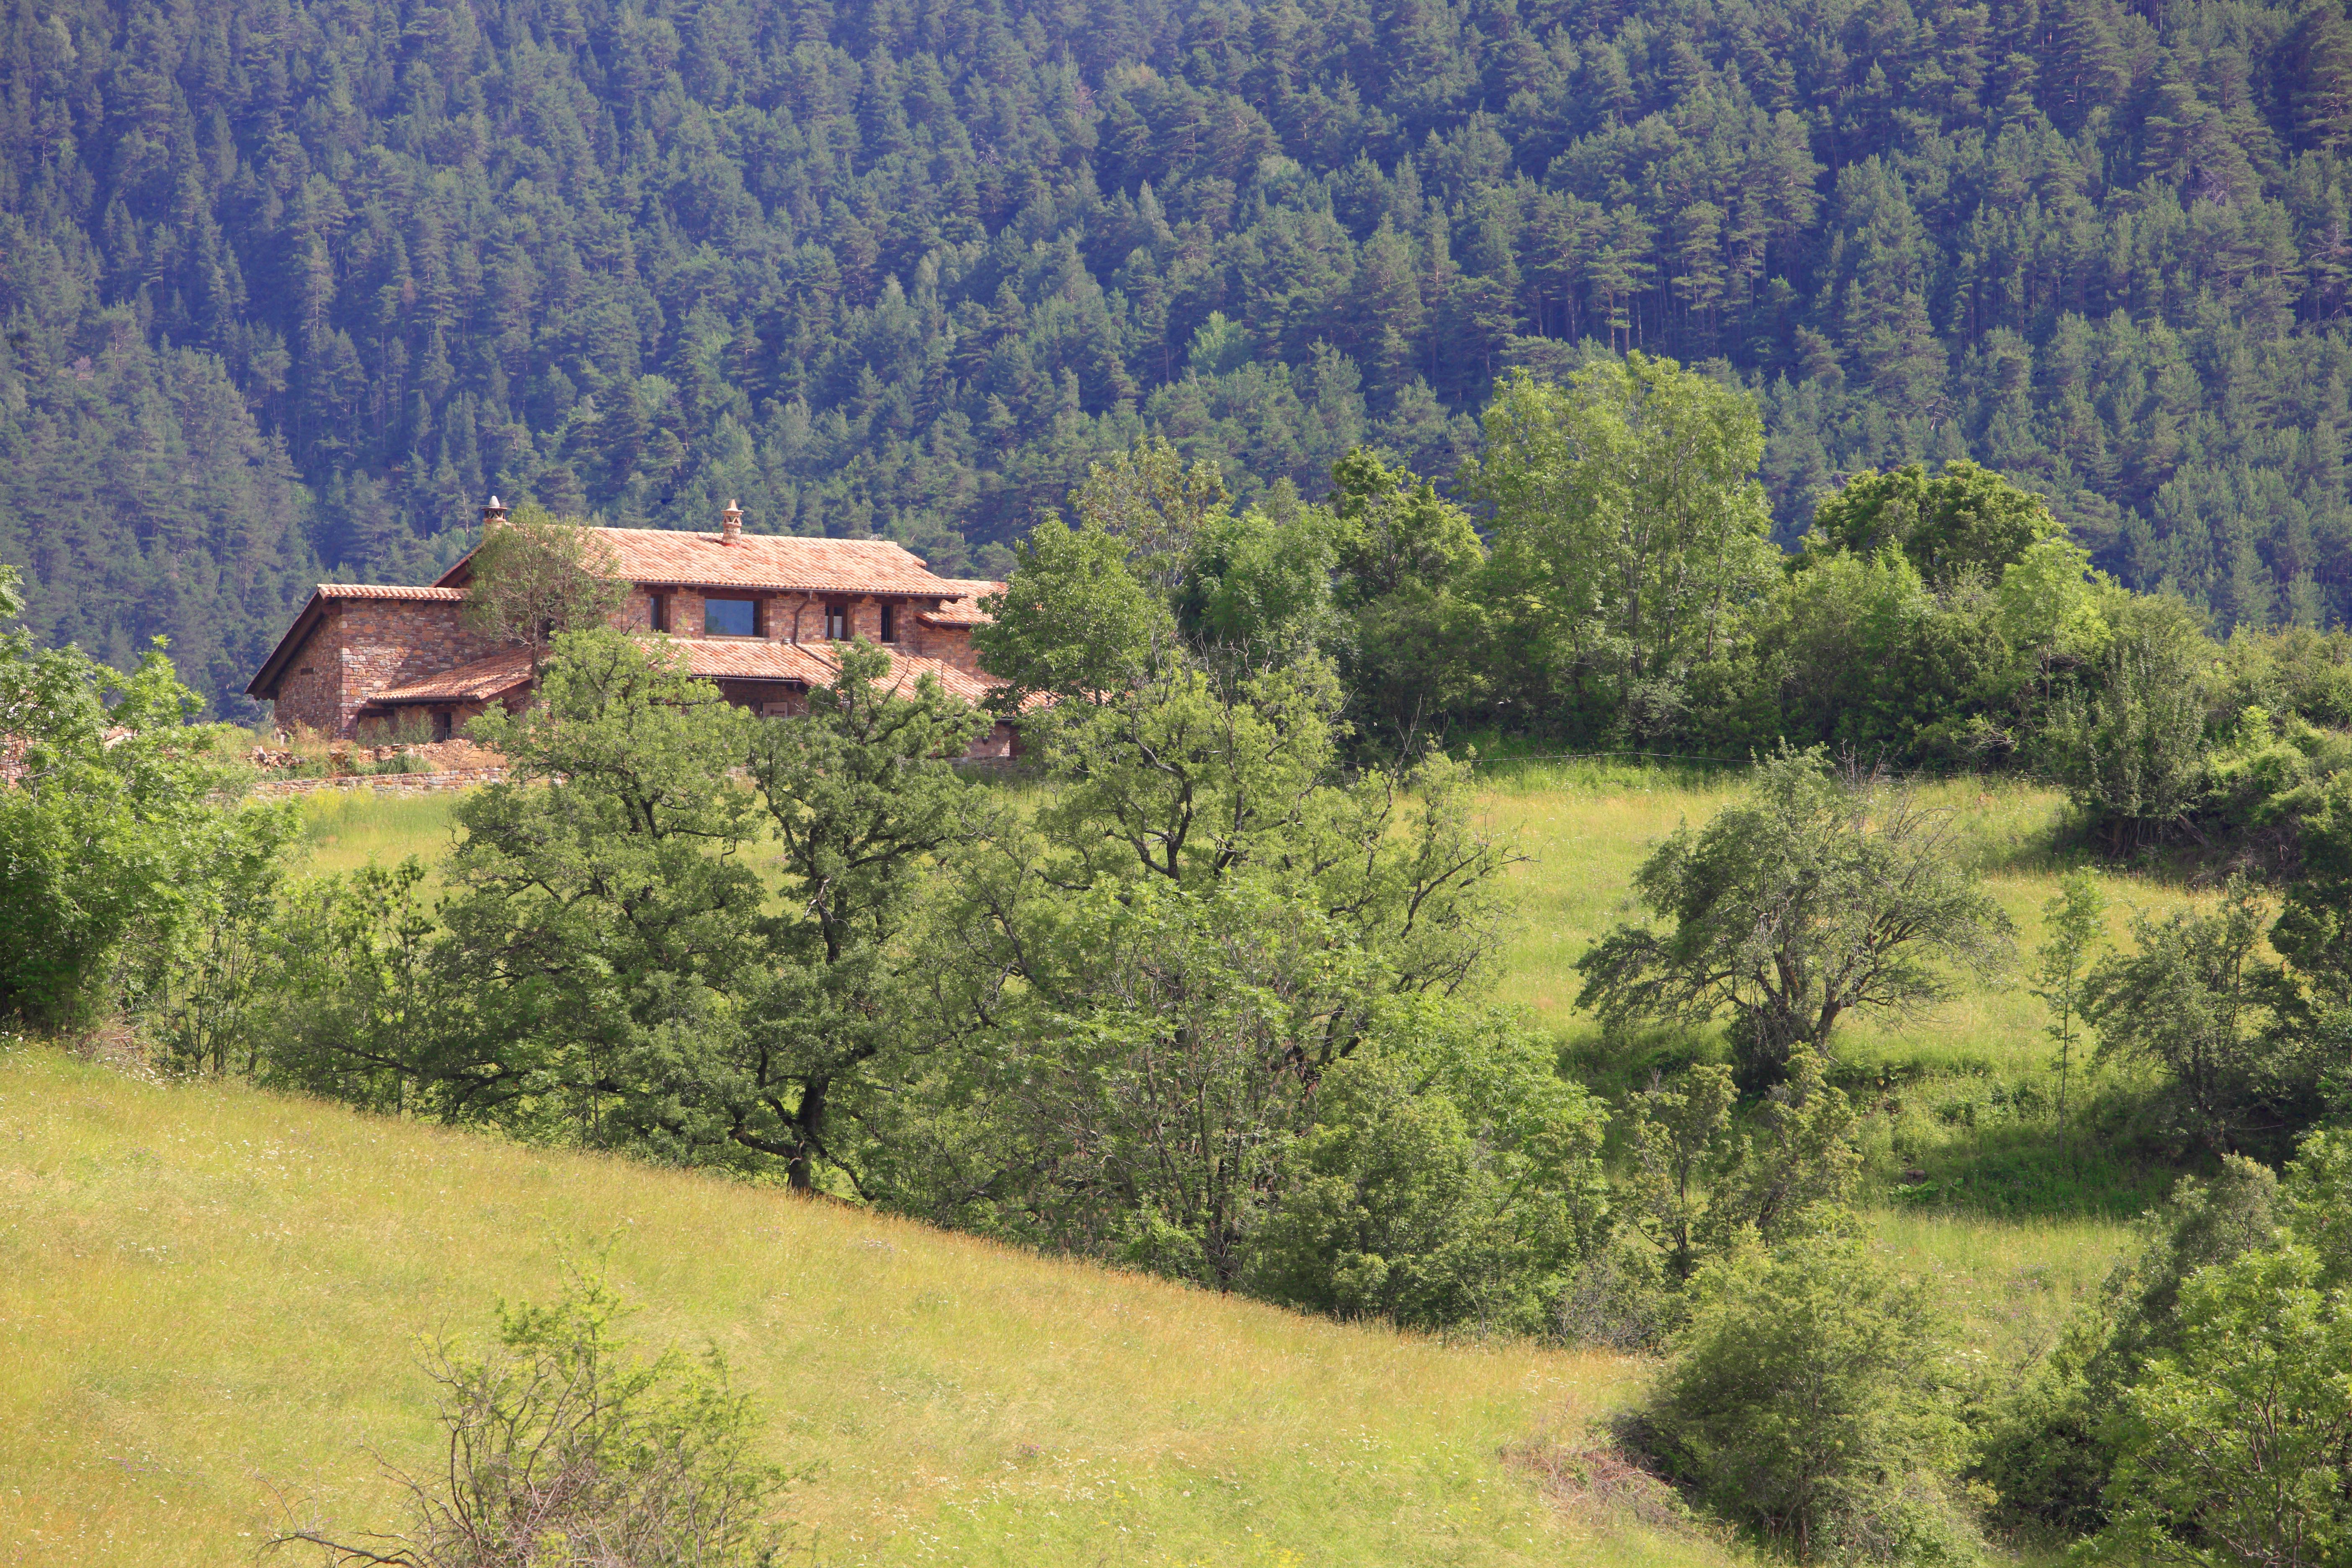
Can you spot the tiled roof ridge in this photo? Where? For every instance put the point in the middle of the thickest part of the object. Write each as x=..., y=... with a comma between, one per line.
x=387, y=591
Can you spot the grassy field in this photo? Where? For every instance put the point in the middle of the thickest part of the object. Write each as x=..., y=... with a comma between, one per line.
x=210, y=1296
x=1960, y=1091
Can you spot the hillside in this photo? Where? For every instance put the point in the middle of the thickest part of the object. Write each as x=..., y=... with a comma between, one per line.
x=289, y=288
x=207, y=1295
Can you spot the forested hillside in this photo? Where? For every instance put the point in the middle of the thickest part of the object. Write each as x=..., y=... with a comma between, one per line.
x=290, y=286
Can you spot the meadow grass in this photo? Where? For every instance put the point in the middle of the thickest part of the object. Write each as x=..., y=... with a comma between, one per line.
x=343, y=829
x=211, y=1296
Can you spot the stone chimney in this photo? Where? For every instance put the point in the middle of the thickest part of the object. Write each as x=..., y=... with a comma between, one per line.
x=493, y=514
x=732, y=532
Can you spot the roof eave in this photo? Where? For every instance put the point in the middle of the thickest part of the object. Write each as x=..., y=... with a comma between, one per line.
x=273, y=668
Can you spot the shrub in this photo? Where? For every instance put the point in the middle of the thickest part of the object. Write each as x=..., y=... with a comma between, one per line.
x=1803, y=1402
x=567, y=1451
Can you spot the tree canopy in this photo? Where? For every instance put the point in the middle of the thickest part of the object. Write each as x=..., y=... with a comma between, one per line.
x=290, y=290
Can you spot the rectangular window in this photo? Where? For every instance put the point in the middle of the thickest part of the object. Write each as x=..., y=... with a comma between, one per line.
x=444, y=724
x=836, y=622
x=658, y=605
x=730, y=617
x=889, y=623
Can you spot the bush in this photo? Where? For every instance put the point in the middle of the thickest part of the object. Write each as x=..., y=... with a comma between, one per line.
x=566, y=1451
x=1452, y=1179
x=1804, y=1402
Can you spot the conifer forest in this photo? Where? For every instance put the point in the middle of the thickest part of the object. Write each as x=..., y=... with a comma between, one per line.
x=289, y=288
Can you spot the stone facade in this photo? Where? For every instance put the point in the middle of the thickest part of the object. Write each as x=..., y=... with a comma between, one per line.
x=361, y=647
x=801, y=618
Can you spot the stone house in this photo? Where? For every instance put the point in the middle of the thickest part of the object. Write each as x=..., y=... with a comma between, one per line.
x=758, y=614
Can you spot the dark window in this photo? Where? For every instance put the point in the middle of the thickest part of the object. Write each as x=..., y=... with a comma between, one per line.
x=836, y=622
x=442, y=723
x=730, y=617
x=660, y=611
x=889, y=623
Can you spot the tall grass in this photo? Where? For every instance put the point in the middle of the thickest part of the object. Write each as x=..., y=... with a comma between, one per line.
x=345, y=829
x=209, y=1295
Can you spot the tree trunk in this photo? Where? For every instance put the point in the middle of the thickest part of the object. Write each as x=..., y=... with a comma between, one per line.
x=808, y=1125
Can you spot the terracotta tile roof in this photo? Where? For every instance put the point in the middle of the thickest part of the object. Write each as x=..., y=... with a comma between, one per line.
x=775, y=563
x=813, y=664
x=387, y=591
x=477, y=680
x=963, y=610
x=753, y=658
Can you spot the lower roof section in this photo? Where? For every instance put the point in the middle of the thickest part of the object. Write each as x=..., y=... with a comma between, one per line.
x=804, y=665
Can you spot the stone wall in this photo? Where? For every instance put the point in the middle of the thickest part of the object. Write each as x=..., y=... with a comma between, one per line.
x=949, y=644
x=361, y=647
x=309, y=694
x=383, y=784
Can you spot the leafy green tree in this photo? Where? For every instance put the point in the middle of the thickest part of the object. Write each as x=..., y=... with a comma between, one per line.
x=1806, y=1399
x=2236, y=1446
x=2074, y=919
x=1963, y=519
x=116, y=846
x=1628, y=525
x=1404, y=592
x=360, y=1003
x=2130, y=746
x=601, y=911
x=1815, y=896
x=861, y=796
x=2193, y=1002
x=1704, y=1184
x=2046, y=1446
x=1073, y=622
x=1452, y=1176
x=536, y=576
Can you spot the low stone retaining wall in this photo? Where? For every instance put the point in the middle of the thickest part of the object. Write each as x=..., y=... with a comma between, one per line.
x=384, y=784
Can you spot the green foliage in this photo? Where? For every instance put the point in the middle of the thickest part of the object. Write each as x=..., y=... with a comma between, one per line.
x=1816, y=895
x=1706, y=1183
x=1411, y=621
x=2195, y=1001
x=2075, y=918
x=1965, y=520
x=1072, y=622
x=860, y=797
x=1856, y=653
x=564, y=1446
x=2236, y=1447
x=2130, y=749
x=2046, y=1446
x=1806, y=1399
x=1628, y=527
x=1452, y=1177
x=884, y=272
x=115, y=847
x=536, y=576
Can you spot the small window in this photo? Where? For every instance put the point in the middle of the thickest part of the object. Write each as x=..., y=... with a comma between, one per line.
x=889, y=623
x=836, y=622
x=730, y=617
x=443, y=723
x=658, y=611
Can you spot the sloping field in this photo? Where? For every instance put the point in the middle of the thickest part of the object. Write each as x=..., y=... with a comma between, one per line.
x=210, y=1298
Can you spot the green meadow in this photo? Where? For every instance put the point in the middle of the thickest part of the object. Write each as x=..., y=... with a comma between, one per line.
x=213, y=1299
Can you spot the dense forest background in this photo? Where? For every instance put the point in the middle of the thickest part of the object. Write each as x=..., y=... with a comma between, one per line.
x=289, y=287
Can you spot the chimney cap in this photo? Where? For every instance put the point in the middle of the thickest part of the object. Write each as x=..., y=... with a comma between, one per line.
x=494, y=512
x=733, y=528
